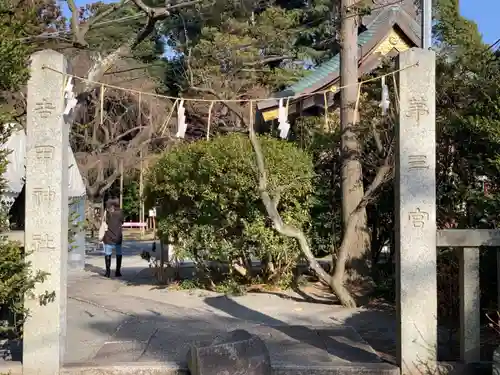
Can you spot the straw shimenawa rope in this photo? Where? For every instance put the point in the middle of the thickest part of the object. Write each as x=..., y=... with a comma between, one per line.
x=292, y=97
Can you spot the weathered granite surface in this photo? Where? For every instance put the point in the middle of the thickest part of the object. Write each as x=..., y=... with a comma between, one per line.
x=46, y=225
x=234, y=352
x=416, y=211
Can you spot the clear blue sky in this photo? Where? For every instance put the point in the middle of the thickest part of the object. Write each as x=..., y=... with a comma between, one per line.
x=485, y=13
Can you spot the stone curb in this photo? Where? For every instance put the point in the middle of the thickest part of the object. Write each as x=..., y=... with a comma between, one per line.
x=165, y=368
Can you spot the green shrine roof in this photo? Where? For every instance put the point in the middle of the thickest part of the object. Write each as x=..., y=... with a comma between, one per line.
x=382, y=19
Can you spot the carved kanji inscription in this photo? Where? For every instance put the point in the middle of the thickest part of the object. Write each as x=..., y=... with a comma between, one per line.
x=418, y=218
x=44, y=153
x=44, y=108
x=417, y=107
x=43, y=195
x=42, y=241
x=418, y=162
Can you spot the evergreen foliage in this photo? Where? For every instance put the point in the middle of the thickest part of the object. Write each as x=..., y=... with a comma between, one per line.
x=209, y=202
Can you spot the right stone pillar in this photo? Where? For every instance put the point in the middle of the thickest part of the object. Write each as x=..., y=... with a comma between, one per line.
x=415, y=207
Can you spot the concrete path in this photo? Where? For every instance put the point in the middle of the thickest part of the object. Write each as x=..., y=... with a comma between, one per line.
x=129, y=325
x=129, y=320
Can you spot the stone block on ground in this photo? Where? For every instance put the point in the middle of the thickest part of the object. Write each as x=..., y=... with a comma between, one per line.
x=236, y=352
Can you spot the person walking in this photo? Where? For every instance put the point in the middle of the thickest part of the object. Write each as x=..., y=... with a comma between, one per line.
x=113, y=236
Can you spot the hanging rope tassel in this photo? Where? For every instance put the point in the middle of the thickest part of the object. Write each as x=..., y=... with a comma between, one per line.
x=101, y=105
x=251, y=118
x=325, y=98
x=384, y=101
x=356, y=107
x=396, y=95
x=150, y=117
x=71, y=100
x=181, y=120
x=139, y=110
x=209, y=119
x=284, y=125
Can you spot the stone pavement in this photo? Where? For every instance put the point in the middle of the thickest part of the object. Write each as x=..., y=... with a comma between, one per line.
x=128, y=325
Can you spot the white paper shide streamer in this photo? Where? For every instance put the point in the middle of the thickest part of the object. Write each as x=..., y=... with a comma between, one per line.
x=384, y=102
x=69, y=95
x=181, y=120
x=284, y=125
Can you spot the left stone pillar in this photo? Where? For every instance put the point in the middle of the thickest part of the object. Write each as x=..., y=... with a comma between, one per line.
x=46, y=225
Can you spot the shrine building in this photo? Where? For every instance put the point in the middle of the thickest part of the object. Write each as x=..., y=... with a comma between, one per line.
x=391, y=28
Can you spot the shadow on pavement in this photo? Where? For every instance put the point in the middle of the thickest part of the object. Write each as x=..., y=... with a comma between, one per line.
x=379, y=328
x=301, y=296
x=330, y=335
x=166, y=336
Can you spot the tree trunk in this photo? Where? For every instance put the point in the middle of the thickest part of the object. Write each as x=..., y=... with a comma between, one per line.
x=271, y=204
x=352, y=174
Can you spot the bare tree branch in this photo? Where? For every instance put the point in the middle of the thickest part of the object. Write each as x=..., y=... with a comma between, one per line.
x=271, y=205
x=229, y=105
x=291, y=231
x=160, y=13
x=268, y=60
x=93, y=21
x=152, y=12
x=78, y=38
x=101, y=66
x=130, y=69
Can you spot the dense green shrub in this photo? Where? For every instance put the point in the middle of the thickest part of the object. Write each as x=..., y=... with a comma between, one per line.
x=17, y=280
x=209, y=202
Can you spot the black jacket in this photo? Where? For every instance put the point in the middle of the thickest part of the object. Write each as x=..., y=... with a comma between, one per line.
x=114, y=235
